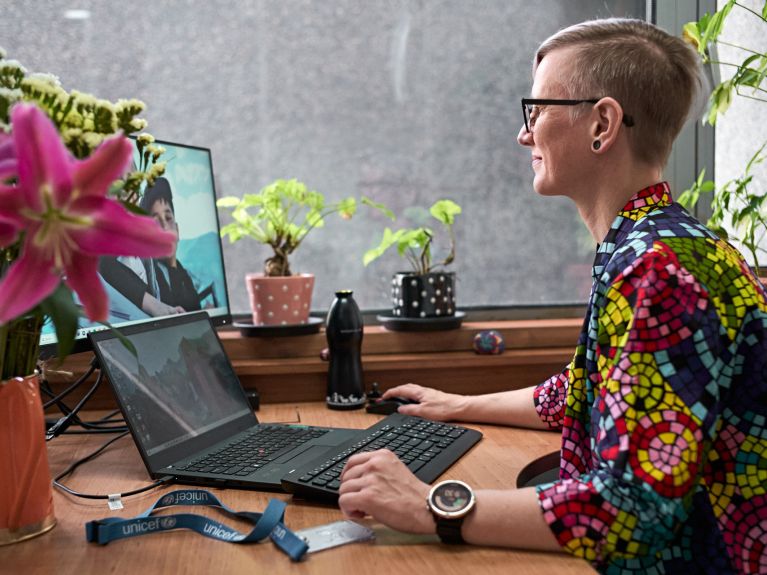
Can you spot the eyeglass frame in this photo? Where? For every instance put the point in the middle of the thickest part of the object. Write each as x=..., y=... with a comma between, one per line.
x=627, y=120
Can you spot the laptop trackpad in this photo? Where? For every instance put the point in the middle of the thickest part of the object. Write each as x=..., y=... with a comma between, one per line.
x=307, y=454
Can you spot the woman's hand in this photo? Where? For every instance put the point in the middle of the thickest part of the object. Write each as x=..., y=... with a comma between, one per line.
x=378, y=484
x=432, y=403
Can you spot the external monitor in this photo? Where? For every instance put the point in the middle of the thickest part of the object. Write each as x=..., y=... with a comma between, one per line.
x=142, y=289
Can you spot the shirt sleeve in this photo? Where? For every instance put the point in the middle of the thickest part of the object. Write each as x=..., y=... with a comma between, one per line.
x=123, y=279
x=550, y=398
x=650, y=410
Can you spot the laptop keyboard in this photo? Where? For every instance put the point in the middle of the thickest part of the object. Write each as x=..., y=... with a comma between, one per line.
x=254, y=450
x=427, y=447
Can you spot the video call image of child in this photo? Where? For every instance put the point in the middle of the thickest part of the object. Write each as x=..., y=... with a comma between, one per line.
x=156, y=286
x=182, y=201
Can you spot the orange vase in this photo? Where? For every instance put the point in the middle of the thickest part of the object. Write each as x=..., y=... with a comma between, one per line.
x=26, y=497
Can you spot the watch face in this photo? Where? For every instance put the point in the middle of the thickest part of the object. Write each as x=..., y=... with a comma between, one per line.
x=451, y=497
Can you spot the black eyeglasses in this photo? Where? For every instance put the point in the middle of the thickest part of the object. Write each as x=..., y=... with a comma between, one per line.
x=530, y=109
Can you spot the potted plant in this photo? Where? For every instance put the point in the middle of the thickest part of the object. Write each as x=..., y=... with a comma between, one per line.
x=427, y=290
x=281, y=215
x=736, y=206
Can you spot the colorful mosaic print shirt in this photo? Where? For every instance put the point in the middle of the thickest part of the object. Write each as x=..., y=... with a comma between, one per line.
x=663, y=409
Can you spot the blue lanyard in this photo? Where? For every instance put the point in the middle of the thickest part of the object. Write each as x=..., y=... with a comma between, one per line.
x=266, y=524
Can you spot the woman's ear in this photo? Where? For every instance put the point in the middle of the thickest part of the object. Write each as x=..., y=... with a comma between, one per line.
x=607, y=115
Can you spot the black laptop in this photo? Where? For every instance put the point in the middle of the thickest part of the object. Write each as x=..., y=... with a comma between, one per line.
x=188, y=413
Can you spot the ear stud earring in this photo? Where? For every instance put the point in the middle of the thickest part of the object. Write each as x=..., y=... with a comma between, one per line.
x=596, y=145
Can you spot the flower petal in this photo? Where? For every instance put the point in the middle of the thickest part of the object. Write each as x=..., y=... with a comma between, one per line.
x=11, y=205
x=116, y=231
x=82, y=276
x=108, y=162
x=42, y=157
x=28, y=281
x=8, y=169
x=8, y=233
x=7, y=157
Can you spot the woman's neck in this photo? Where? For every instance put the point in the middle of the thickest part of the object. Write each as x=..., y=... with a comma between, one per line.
x=599, y=207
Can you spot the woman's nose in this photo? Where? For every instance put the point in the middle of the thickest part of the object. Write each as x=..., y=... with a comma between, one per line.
x=524, y=138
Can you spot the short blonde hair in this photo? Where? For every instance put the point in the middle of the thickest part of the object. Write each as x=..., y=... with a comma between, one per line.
x=656, y=77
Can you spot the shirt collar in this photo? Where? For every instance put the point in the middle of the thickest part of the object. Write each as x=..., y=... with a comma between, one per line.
x=643, y=202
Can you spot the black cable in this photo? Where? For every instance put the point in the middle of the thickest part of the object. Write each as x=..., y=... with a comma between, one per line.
x=107, y=424
x=59, y=427
x=109, y=416
x=57, y=398
x=92, y=455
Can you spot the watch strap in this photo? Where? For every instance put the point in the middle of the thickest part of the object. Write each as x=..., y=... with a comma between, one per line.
x=449, y=530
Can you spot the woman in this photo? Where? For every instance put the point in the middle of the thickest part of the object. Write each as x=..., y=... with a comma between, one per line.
x=662, y=410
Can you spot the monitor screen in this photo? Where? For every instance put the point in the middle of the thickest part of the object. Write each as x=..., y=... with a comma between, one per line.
x=141, y=289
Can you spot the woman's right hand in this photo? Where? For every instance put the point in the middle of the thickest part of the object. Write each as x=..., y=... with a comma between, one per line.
x=432, y=403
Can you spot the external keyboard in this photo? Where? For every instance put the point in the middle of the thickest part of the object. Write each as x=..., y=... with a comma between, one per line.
x=427, y=447
x=263, y=444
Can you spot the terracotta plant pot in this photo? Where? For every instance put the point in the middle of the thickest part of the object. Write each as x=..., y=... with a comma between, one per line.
x=26, y=498
x=422, y=296
x=280, y=300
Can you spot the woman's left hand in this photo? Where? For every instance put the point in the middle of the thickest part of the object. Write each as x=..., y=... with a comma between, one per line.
x=378, y=484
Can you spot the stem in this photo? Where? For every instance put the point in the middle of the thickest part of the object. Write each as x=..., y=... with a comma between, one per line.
x=750, y=10
x=752, y=97
x=720, y=63
x=731, y=45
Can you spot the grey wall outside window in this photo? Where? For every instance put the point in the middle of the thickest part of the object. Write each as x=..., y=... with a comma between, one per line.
x=403, y=101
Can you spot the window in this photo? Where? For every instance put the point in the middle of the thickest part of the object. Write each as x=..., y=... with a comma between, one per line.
x=403, y=101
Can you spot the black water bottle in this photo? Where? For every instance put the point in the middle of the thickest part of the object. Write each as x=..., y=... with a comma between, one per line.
x=343, y=329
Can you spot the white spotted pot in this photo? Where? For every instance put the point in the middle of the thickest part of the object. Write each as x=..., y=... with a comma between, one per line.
x=422, y=296
x=280, y=300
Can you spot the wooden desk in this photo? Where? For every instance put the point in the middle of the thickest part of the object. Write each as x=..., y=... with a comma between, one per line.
x=493, y=463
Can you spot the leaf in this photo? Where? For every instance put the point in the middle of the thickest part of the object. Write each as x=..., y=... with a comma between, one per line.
x=445, y=211
x=60, y=307
x=388, y=240
x=227, y=202
x=380, y=207
x=691, y=34
x=720, y=100
x=128, y=344
x=347, y=208
x=416, y=240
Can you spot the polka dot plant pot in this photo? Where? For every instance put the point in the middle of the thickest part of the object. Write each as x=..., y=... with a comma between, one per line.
x=422, y=296
x=280, y=300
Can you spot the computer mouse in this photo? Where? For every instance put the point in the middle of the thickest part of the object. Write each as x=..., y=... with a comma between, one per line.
x=387, y=406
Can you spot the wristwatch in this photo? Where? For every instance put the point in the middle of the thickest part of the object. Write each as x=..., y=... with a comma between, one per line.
x=450, y=502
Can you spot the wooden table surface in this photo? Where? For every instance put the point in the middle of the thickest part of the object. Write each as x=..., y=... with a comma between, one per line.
x=493, y=463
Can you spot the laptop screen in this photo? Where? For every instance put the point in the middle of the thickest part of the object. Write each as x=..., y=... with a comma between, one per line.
x=179, y=387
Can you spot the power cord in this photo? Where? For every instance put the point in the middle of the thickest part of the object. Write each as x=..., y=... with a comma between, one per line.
x=56, y=399
x=107, y=424
x=92, y=455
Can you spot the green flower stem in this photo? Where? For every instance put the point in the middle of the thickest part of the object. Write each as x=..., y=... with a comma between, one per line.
x=752, y=97
x=750, y=10
x=20, y=346
x=731, y=45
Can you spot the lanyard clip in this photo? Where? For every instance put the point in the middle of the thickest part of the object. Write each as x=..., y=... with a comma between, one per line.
x=92, y=534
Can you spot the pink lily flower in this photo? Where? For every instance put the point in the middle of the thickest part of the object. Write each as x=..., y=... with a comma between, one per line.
x=7, y=170
x=59, y=203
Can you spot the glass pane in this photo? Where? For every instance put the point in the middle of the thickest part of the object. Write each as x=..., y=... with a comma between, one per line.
x=403, y=101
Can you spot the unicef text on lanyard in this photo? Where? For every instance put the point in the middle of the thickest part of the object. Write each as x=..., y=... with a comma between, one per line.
x=266, y=524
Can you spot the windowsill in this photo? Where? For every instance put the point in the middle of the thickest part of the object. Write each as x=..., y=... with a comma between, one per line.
x=286, y=369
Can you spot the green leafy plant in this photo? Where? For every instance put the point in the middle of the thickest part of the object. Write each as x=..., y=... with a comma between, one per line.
x=415, y=244
x=280, y=215
x=734, y=204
